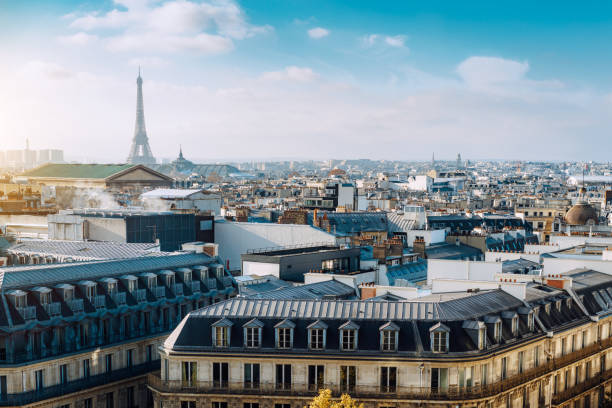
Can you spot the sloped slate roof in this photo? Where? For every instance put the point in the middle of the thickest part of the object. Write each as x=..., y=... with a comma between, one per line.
x=52, y=274
x=78, y=171
x=317, y=290
x=463, y=306
x=86, y=250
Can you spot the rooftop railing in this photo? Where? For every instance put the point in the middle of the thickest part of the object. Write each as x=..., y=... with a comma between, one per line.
x=159, y=292
x=195, y=286
x=53, y=309
x=27, y=312
x=140, y=295
x=120, y=298
x=76, y=305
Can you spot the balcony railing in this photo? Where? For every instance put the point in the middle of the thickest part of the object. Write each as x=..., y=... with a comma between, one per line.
x=178, y=289
x=400, y=392
x=119, y=298
x=195, y=286
x=578, y=389
x=140, y=295
x=76, y=305
x=211, y=283
x=53, y=309
x=159, y=292
x=53, y=391
x=98, y=301
x=27, y=312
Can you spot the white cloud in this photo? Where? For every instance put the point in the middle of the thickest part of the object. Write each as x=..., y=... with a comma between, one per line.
x=491, y=70
x=179, y=25
x=370, y=40
x=292, y=73
x=80, y=38
x=395, y=41
x=318, y=32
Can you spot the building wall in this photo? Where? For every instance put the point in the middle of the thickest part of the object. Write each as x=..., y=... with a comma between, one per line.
x=414, y=375
x=236, y=238
x=106, y=229
x=260, y=268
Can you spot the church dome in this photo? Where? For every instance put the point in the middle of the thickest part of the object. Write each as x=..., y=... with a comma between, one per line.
x=581, y=214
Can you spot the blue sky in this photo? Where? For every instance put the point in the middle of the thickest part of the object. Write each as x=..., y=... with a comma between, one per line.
x=310, y=79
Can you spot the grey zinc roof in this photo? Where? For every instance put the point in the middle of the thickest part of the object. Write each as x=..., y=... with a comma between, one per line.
x=51, y=274
x=464, y=307
x=85, y=250
x=317, y=290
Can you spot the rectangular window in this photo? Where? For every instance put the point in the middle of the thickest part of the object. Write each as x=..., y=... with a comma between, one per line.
x=188, y=404
x=440, y=339
x=556, y=384
x=484, y=374
x=63, y=374
x=563, y=346
x=220, y=375
x=521, y=361
x=567, y=379
x=316, y=377
x=129, y=398
x=250, y=405
x=221, y=338
x=316, y=339
x=388, y=339
x=110, y=400
x=149, y=353
x=108, y=363
x=536, y=356
x=87, y=403
x=86, y=368
x=348, y=378
x=189, y=373
x=504, y=368
x=40, y=379
x=573, y=343
x=348, y=340
x=388, y=379
x=282, y=405
x=283, y=376
x=217, y=404
x=577, y=374
x=587, y=370
x=252, y=337
x=284, y=338
x=584, y=338
x=129, y=358
x=251, y=375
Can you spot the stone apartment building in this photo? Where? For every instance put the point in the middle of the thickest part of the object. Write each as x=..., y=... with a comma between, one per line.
x=486, y=349
x=85, y=334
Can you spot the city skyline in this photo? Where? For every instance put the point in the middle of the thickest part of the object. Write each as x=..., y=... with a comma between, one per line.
x=289, y=80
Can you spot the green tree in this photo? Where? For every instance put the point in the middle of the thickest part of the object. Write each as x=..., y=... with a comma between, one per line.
x=324, y=400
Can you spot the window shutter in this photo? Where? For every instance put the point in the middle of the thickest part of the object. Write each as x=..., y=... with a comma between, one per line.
x=324, y=337
x=276, y=336
x=291, y=337
x=214, y=336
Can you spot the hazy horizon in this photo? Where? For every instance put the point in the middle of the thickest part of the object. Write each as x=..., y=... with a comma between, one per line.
x=255, y=81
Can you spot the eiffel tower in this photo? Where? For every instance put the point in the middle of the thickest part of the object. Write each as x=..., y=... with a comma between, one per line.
x=140, y=152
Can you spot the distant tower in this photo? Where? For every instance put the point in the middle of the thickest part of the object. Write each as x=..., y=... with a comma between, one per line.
x=458, y=160
x=433, y=160
x=140, y=152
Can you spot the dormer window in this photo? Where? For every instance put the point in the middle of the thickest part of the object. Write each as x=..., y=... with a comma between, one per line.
x=482, y=335
x=515, y=325
x=439, y=338
x=221, y=333
x=316, y=335
x=530, y=321
x=20, y=301
x=252, y=333
x=284, y=334
x=497, y=331
x=348, y=336
x=568, y=303
x=558, y=305
x=547, y=308
x=389, y=333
